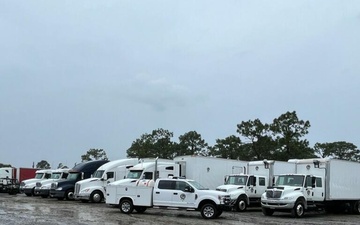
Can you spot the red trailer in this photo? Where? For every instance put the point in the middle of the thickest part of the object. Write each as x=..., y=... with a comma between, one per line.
x=25, y=173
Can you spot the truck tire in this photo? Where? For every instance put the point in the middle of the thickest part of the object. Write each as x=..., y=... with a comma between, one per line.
x=69, y=194
x=241, y=204
x=28, y=194
x=44, y=196
x=299, y=209
x=356, y=207
x=126, y=206
x=96, y=197
x=140, y=209
x=267, y=212
x=209, y=211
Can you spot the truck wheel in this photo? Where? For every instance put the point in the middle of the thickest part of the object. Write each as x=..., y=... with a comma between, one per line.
x=44, y=196
x=69, y=194
x=209, y=211
x=356, y=207
x=140, y=209
x=96, y=197
x=28, y=194
x=298, y=210
x=240, y=205
x=126, y=206
x=267, y=212
x=220, y=211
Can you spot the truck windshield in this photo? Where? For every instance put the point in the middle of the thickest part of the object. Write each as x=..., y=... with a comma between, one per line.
x=197, y=185
x=98, y=173
x=73, y=176
x=236, y=180
x=290, y=180
x=39, y=175
x=55, y=176
x=134, y=174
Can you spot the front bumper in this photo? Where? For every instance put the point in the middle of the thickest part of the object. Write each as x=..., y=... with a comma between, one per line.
x=57, y=194
x=82, y=196
x=277, y=204
x=42, y=192
x=28, y=190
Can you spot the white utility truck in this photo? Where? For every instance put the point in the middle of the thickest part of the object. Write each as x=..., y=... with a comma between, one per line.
x=28, y=186
x=42, y=187
x=168, y=193
x=93, y=189
x=246, y=189
x=209, y=171
x=328, y=184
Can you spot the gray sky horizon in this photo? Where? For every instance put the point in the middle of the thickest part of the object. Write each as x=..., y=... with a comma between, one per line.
x=76, y=75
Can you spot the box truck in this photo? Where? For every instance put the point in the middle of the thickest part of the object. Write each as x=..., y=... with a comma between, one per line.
x=328, y=184
x=246, y=189
x=208, y=171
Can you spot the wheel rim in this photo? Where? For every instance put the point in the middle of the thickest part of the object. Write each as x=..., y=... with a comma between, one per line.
x=242, y=205
x=299, y=210
x=209, y=211
x=125, y=207
x=70, y=195
x=97, y=197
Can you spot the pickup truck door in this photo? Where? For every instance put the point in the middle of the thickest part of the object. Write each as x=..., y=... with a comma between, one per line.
x=163, y=193
x=183, y=195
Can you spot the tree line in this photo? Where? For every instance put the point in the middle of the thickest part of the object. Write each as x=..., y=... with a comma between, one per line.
x=283, y=139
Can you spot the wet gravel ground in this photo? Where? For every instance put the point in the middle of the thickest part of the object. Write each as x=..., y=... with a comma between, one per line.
x=20, y=209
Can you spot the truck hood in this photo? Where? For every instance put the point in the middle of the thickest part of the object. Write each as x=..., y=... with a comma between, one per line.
x=229, y=188
x=212, y=192
x=88, y=180
x=65, y=182
x=47, y=181
x=286, y=191
x=30, y=181
x=126, y=181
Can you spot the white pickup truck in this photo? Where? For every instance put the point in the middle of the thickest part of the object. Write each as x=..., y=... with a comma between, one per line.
x=168, y=193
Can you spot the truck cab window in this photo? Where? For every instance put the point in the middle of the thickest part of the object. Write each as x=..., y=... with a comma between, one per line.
x=167, y=184
x=318, y=182
x=261, y=181
x=110, y=175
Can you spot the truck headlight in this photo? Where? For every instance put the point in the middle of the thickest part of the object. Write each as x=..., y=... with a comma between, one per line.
x=288, y=198
x=59, y=189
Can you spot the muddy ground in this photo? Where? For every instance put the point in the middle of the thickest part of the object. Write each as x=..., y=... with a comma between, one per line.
x=20, y=209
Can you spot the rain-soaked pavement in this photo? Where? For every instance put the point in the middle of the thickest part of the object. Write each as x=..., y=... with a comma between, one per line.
x=20, y=209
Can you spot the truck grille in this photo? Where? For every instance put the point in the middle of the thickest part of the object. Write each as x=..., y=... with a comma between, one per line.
x=53, y=185
x=273, y=194
x=77, y=188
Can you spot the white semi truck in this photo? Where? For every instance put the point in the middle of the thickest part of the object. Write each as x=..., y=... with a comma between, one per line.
x=168, y=193
x=28, y=186
x=328, y=184
x=246, y=189
x=43, y=187
x=208, y=171
x=93, y=189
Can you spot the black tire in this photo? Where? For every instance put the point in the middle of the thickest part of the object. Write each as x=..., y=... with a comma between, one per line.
x=96, y=197
x=140, y=209
x=44, y=196
x=267, y=212
x=126, y=206
x=220, y=211
x=241, y=204
x=28, y=194
x=209, y=211
x=69, y=194
x=299, y=209
x=355, y=207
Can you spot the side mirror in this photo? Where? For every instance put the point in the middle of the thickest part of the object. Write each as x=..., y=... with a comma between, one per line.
x=189, y=189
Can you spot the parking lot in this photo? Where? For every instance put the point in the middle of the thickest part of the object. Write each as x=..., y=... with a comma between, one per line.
x=20, y=209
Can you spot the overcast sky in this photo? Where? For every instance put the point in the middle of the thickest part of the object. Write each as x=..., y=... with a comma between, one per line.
x=76, y=75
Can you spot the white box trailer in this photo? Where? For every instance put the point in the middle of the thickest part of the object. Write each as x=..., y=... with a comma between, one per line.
x=328, y=184
x=245, y=190
x=208, y=171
